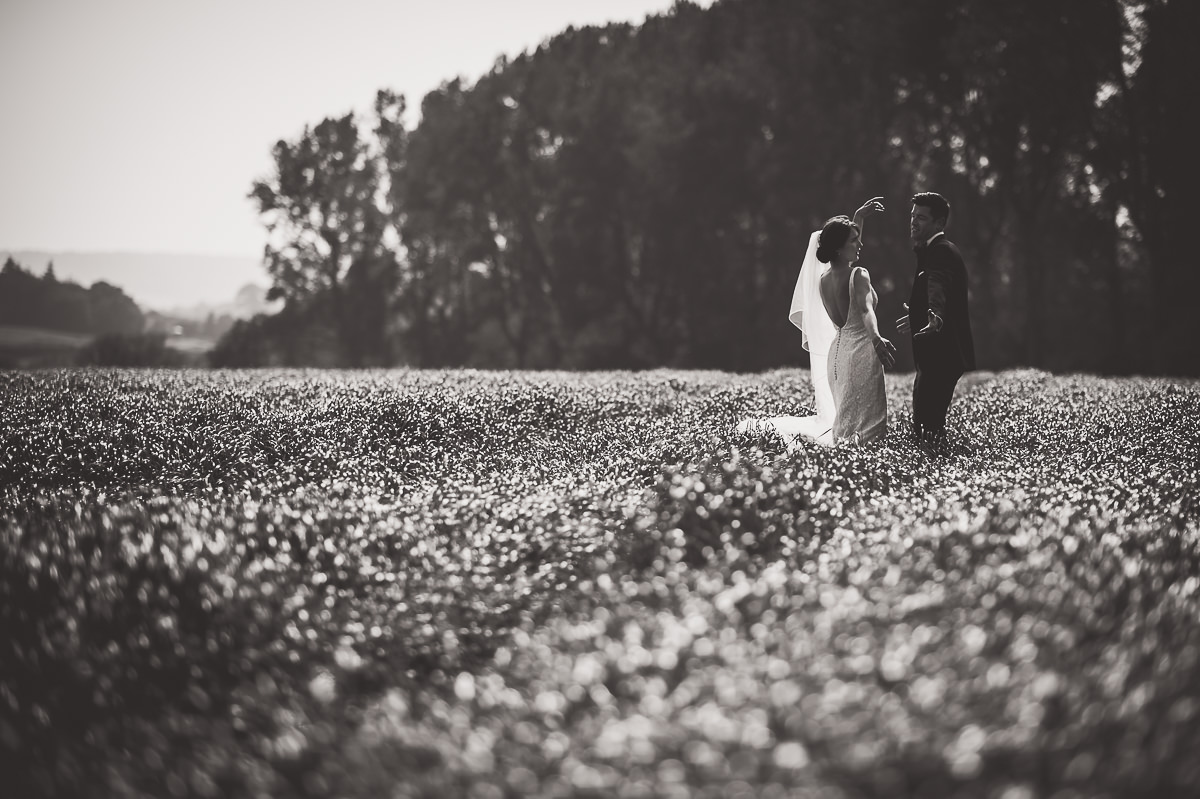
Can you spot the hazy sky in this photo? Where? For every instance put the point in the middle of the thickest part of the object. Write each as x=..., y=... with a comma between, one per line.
x=139, y=125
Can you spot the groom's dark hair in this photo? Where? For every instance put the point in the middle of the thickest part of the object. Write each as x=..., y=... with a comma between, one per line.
x=938, y=205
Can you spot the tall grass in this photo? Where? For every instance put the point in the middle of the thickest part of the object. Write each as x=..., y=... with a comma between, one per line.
x=549, y=584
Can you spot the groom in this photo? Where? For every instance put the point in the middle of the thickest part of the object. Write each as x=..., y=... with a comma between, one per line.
x=942, y=347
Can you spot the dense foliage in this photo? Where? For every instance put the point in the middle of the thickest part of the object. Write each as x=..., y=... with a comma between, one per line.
x=460, y=583
x=631, y=196
x=47, y=302
x=134, y=349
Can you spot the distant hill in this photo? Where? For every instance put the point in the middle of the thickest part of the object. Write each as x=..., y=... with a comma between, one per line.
x=249, y=300
x=207, y=322
x=161, y=282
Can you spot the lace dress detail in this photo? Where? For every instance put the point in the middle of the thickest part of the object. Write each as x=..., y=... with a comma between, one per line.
x=856, y=377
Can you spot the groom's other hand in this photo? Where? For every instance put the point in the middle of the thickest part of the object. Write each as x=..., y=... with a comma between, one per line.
x=934, y=325
x=902, y=326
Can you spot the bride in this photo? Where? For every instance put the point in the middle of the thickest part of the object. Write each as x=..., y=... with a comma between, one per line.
x=835, y=311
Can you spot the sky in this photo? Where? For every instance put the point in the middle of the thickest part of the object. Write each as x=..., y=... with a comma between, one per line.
x=140, y=125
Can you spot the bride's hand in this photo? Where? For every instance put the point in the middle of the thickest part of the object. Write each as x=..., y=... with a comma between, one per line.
x=886, y=351
x=871, y=206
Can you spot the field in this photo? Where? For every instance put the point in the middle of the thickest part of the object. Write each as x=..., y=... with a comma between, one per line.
x=490, y=584
x=35, y=347
x=39, y=348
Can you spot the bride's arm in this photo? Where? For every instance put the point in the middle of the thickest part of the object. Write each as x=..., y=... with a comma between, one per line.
x=871, y=206
x=884, y=349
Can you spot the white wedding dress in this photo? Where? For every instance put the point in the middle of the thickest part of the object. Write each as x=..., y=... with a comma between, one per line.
x=856, y=374
x=850, y=404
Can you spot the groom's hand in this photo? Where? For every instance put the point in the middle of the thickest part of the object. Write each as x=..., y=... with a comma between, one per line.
x=902, y=326
x=932, y=326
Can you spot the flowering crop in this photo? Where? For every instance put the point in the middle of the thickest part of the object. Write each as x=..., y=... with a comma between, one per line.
x=489, y=584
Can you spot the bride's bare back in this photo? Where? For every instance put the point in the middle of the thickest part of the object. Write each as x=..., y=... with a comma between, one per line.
x=835, y=294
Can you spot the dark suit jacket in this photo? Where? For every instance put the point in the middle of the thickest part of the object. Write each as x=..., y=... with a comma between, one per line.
x=941, y=286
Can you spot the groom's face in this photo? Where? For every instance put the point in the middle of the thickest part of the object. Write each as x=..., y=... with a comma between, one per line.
x=921, y=224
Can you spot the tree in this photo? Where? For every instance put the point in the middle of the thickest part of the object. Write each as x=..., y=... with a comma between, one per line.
x=638, y=196
x=1013, y=159
x=432, y=302
x=1146, y=160
x=113, y=311
x=327, y=232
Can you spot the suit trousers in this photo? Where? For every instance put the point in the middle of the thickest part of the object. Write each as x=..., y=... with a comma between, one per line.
x=932, y=391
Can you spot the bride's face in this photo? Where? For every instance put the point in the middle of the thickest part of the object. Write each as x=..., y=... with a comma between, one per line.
x=848, y=254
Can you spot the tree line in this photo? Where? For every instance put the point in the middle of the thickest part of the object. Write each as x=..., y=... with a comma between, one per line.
x=29, y=300
x=636, y=196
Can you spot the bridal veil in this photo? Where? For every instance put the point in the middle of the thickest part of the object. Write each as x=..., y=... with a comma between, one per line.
x=808, y=313
x=818, y=331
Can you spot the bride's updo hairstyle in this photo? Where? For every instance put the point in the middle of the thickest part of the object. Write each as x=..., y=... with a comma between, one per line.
x=833, y=237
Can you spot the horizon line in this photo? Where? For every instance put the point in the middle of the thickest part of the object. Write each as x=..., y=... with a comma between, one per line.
x=50, y=251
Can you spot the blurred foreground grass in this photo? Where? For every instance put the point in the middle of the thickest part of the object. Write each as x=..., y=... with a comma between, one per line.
x=442, y=584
